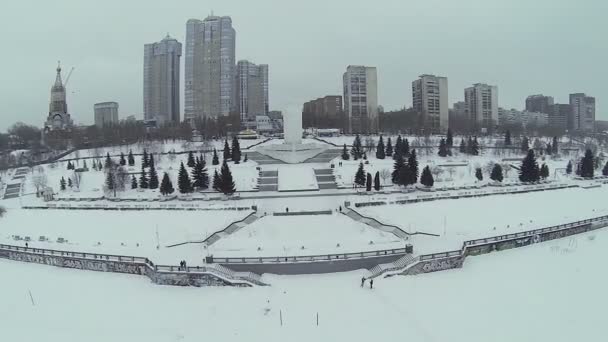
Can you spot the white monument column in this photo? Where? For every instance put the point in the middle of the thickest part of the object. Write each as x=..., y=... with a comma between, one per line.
x=292, y=127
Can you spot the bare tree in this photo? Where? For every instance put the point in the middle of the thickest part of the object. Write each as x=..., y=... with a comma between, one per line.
x=385, y=174
x=121, y=176
x=39, y=180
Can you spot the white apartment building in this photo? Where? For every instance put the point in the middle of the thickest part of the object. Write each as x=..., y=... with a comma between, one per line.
x=361, y=98
x=430, y=101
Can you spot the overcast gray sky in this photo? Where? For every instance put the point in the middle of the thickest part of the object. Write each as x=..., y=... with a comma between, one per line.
x=523, y=46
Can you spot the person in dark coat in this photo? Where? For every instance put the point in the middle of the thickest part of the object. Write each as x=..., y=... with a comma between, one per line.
x=371, y=283
x=362, y=281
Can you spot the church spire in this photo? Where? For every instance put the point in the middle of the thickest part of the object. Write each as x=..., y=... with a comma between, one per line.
x=58, y=82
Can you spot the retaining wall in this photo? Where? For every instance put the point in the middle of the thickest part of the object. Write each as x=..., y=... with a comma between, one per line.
x=193, y=276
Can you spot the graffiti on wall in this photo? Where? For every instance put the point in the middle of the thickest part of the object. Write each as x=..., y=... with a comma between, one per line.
x=440, y=265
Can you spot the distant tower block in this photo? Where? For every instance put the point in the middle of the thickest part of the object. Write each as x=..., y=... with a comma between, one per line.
x=293, y=127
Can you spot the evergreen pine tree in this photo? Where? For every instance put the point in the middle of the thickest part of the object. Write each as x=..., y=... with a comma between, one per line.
x=605, y=169
x=478, y=174
x=544, y=171
x=153, y=183
x=200, y=179
x=122, y=160
x=70, y=182
x=130, y=158
x=190, y=161
x=377, y=181
x=360, y=176
x=470, y=146
x=166, y=187
x=508, y=138
x=525, y=144
x=405, y=147
x=144, y=159
x=94, y=166
x=109, y=162
x=554, y=145
x=380, y=153
x=443, y=151
x=463, y=146
x=569, y=167
x=426, y=178
x=109, y=180
x=357, y=149
x=69, y=166
x=84, y=164
x=475, y=147
x=227, y=153
x=227, y=182
x=345, y=155
x=496, y=174
x=398, y=148
x=389, y=148
x=217, y=181
x=236, y=150
x=133, y=182
x=449, y=141
x=62, y=184
x=549, y=149
x=412, y=163
x=397, y=166
x=404, y=176
x=245, y=160
x=368, y=182
x=529, y=171
x=183, y=180
x=587, y=164
x=216, y=159
x=143, y=178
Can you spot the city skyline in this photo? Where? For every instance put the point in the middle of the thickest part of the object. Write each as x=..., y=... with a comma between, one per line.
x=534, y=66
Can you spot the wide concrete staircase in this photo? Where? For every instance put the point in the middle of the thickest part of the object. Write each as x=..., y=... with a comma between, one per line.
x=397, y=265
x=268, y=181
x=325, y=179
x=231, y=228
x=372, y=222
x=262, y=159
x=251, y=277
x=325, y=156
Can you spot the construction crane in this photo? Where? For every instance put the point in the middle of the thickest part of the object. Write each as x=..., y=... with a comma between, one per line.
x=65, y=84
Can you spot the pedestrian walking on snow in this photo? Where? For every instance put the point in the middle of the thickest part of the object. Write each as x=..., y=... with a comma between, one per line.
x=371, y=283
x=362, y=281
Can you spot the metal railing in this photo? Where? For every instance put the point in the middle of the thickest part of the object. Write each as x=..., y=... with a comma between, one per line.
x=309, y=258
x=220, y=272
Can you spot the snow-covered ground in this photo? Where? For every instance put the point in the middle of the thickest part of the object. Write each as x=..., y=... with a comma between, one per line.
x=449, y=171
x=320, y=234
x=158, y=147
x=134, y=233
x=92, y=182
x=296, y=177
x=471, y=218
x=545, y=292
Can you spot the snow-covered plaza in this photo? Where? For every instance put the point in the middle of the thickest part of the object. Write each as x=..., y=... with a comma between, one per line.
x=297, y=214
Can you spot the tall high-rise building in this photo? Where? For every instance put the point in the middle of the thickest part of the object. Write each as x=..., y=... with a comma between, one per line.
x=430, y=101
x=539, y=103
x=324, y=112
x=161, y=80
x=106, y=114
x=559, y=115
x=481, y=102
x=361, y=98
x=252, y=90
x=583, y=112
x=210, y=70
